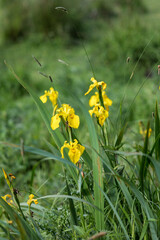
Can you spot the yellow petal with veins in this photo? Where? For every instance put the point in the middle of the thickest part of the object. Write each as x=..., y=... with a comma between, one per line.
x=73, y=121
x=55, y=120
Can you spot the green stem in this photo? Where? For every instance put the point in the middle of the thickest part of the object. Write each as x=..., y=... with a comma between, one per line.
x=18, y=204
x=70, y=134
x=100, y=96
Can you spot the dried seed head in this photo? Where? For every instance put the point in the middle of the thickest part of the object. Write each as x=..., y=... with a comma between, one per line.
x=128, y=60
x=37, y=61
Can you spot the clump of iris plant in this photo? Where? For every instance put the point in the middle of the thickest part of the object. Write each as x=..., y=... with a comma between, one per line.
x=65, y=114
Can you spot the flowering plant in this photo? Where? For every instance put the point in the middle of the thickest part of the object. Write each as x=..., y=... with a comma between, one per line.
x=109, y=189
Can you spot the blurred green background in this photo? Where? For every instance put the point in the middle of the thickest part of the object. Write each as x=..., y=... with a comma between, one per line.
x=109, y=31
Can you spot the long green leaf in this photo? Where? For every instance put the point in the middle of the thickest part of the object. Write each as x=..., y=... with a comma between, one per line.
x=71, y=197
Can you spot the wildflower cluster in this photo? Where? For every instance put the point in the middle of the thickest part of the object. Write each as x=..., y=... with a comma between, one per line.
x=66, y=115
x=99, y=101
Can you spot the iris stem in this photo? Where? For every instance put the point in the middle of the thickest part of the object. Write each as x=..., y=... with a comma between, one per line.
x=70, y=134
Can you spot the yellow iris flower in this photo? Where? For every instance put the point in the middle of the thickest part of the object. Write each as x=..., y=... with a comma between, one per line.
x=95, y=100
x=52, y=94
x=100, y=113
x=96, y=84
x=31, y=200
x=69, y=116
x=75, y=150
x=8, y=199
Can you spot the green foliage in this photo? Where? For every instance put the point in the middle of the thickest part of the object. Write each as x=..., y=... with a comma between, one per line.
x=41, y=16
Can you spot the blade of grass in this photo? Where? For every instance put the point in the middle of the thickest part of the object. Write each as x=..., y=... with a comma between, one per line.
x=71, y=197
x=41, y=152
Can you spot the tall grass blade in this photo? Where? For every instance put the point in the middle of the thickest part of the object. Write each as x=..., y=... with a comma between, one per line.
x=144, y=230
x=157, y=132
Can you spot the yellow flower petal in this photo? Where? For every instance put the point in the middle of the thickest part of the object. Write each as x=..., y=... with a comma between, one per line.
x=74, y=155
x=107, y=102
x=68, y=114
x=75, y=152
x=53, y=95
x=103, y=117
x=100, y=113
x=94, y=100
x=91, y=112
x=5, y=174
x=66, y=145
x=55, y=120
x=43, y=98
x=7, y=178
x=73, y=121
x=64, y=111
